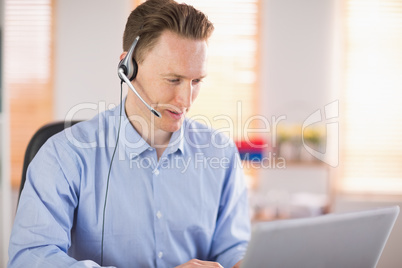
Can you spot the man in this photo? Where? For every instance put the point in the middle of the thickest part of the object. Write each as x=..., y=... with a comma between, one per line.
x=175, y=195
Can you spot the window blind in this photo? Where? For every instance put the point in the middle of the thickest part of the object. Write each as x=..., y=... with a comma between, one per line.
x=372, y=98
x=27, y=73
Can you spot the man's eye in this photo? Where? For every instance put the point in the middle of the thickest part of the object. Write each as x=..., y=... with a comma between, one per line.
x=173, y=80
x=196, y=81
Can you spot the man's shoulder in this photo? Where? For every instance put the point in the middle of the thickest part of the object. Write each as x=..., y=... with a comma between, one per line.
x=87, y=133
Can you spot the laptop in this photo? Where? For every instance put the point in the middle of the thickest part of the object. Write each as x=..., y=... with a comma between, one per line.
x=354, y=239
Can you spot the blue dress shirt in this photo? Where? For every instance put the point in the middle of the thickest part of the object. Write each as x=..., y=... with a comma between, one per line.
x=191, y=203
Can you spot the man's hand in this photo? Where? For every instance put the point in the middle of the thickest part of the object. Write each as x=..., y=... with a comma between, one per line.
x=237, y=265
x=198, y=263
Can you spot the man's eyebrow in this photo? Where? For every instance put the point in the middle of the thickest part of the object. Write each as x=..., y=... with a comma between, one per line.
x=180, y=76
x=173, y=74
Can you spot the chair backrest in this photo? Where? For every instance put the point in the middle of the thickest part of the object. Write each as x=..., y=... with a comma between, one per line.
x=36, y=142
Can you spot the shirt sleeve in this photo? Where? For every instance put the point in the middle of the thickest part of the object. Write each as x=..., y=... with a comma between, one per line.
x=232, y=231
x=45, y=214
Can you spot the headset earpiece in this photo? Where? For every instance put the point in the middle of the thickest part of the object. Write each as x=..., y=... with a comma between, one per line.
x=127, y=71
x=128, y=64
x=135, y=70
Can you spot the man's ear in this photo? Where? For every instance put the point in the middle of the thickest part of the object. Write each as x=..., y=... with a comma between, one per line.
x=123, y=55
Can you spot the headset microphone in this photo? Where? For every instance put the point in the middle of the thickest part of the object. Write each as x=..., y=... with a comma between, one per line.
x=127, y=71
x=125, y=79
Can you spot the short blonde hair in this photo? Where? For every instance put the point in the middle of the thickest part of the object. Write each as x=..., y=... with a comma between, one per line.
x=153, y=17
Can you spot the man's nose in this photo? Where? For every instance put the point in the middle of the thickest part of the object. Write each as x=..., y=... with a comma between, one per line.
x=185, y=94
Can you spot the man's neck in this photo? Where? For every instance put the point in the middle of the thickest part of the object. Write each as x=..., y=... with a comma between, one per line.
x=156, y=138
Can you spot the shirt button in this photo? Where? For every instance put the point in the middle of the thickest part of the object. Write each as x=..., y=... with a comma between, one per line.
x=156, y=172
x=150, y=149
x=160, y=254
x=159, y=214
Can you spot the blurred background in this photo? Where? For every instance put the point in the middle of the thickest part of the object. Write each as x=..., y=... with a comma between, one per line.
x=310, y=90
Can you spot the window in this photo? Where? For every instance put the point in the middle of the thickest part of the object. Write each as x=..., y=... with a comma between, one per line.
x=27, y=73
x=372, y=99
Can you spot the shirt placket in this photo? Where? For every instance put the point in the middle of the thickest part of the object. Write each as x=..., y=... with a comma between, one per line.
x=158, y=212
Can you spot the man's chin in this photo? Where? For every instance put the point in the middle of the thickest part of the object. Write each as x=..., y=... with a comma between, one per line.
x=172, y=127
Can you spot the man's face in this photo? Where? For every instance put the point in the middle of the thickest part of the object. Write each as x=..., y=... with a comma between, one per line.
x=169, y=79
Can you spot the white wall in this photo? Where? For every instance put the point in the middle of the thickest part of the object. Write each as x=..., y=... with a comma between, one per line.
x=298, y=72
x=87, y=49
x=298, y=57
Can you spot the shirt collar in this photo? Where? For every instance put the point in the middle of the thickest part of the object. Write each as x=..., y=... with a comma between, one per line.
x=131, y=141
x=176, y=142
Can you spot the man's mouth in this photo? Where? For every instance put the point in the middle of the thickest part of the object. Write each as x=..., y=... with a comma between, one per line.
x=175, y=111
x=175, y=114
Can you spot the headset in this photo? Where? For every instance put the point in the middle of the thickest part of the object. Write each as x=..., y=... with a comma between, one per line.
x=127, y=71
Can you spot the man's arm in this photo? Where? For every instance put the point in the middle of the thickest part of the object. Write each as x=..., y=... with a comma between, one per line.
x=198, y=263
x=45, y=215
x=232, y=230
